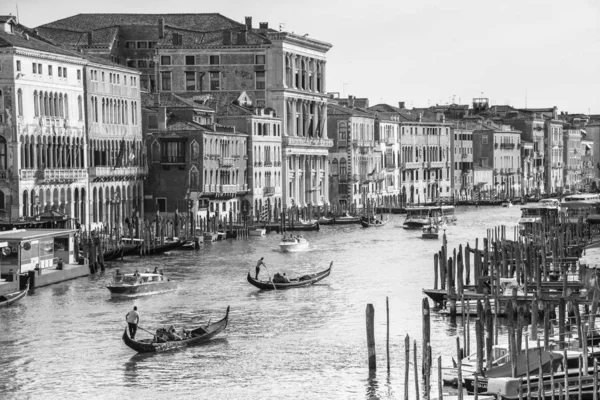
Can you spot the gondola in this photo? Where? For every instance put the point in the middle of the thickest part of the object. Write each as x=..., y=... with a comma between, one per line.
x=373, y=223
x=346, y=219
x=305, y=280
x=10, y=298
x=303, y=227
x=198, y=335
x=326, y=221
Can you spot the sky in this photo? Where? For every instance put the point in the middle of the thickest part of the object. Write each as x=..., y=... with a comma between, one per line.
x=526, y=53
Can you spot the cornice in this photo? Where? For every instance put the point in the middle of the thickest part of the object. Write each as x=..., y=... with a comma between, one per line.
x=48, y=56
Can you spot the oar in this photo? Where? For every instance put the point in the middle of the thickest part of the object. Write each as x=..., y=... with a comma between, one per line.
x=271, y=279
x=153, y=334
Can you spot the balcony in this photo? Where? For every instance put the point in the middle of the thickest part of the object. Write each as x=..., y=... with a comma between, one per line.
x=268, y=164
x=268, y=190
x=413, y=165
x=390, y=140
x=507, y=146
x=342, y=143
x=54, y=175
x=109, y=172
x=390, y=189
x=227, y=188
x=226, y=162
x=306, y=141
x=437, y=164
x=365, y=143
x=343, y=178
x=258, y=163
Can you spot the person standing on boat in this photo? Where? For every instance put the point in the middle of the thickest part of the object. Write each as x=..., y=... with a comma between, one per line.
x=258, y=264
x=132, y=318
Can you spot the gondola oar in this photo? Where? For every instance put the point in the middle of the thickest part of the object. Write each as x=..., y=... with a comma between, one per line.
x=271, y=279
x=153, y=334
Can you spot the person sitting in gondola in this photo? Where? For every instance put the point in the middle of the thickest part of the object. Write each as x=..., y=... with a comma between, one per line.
x=172, y=334
x=285, y=278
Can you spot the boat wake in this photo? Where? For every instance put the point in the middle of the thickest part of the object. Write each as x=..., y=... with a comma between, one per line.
x=117, y=296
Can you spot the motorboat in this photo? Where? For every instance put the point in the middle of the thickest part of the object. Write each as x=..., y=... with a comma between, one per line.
x=136, y=284
x=507, y=204
x=293, y=243
x=430, y=232
x=420, y=216
x=257, y=232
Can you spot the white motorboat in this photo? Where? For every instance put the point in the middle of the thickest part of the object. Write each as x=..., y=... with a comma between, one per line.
x=293, y=243
x=257, y=232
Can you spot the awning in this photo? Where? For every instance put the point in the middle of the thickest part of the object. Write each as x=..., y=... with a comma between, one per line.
x=593, y=219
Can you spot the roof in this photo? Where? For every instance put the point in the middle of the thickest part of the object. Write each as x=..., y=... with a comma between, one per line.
x=24, y=38
x=193, y=38
x=333, y=109
x=172, y=100
x=6, y=18
x=405, y=115
x=233, y=109
x=29, y=234
x=198, y=22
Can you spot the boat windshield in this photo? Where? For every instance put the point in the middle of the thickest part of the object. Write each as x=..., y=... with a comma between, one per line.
x=418, y=212
x=130, y=279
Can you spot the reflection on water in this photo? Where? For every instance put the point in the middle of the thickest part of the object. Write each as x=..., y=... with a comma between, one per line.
x=301, y=343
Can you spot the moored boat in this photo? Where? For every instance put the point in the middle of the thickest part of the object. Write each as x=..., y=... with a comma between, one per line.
x=293, y=243
x=305, y=280
x=10, y=298
x=296, y=226
x=347, y=219
x=257, y=232
x=326, y=221
x=195, y=336
x=507, y=204
x=139, y=283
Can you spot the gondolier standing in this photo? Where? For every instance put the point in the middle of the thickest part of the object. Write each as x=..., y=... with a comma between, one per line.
x=132, y=318
x=258, y=264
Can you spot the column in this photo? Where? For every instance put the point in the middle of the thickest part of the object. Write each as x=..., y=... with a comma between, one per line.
x=325, y=181
x=300, y=124
x=324, y=116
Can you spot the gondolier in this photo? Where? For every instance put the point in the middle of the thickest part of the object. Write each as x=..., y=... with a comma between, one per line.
x=258, y=264
x=132, y=318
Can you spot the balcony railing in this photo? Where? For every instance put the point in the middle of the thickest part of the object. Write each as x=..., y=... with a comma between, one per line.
x=228, y=188
x=305, y=141
x=54, y=174
x=99, y=172
x=391, y=189
x=413, y=165
x=437, y=164
x=342, y=143
x=507, y=146
x=268, y=190
x=226, y=162
x=268, y=163
x=390, y=140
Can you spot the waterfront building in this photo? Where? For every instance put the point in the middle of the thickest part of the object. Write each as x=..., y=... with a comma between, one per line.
x=387, y=139
x=461, y=158
x=588, y=168
x=264, y=199
x=592, y=130
x=572, y=159
x=194, y=164
x=213, y=56
x=353, y=165
x=553, y=130
x=424, y=154
x=483, y=182
x=115, y=146
x=528, y=167
x=500, y=148
x=43, y=146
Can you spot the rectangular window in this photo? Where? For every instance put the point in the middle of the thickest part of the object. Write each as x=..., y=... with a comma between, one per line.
x=151, y=45
x=50, y=70
x=215, y=80
x=18, y=65
x=165, y=82
x=190, y=80
x=165, y=60
x=60, y=72
x=130, y=45
x=190, y=60
x=161, y=204
x=40, y=69
x=260, y=78
x=484, y=139
x=131, y=63
x=142, y=64
x=259, y=59
x=214, y=60
x=34, y=65
x=142, y=45
x=65, y=72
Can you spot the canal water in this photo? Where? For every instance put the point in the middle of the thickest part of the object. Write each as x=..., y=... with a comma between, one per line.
x=65, y=340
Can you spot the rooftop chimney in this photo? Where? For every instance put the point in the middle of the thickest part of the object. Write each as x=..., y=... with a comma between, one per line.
x=36, y=32
x=248, y=22
x=162, y=118
x=350, y=101
x=161, y=28
x=401, y=104
x=90, y=38
x=263, y=25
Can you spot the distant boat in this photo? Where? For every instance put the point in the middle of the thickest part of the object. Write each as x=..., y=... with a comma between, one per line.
x=196, y=336
x=326, y=221
x=430, y=232
x=373, y=223
x=257, y=232
x=347, y=219
x=305, y=280
x=293, y=244
x=300, y=226
x=507, y=204
x=10, y=298
x=142, y=283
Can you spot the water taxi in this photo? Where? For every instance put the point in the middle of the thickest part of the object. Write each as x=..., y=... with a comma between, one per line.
x=535, y=215
x=430, y=232
x=418, y=217
x=293, y=243
x=136, y=284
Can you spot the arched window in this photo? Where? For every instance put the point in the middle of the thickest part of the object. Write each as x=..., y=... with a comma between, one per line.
x=342, y=130
x=79, y=108
x=103, y=111
x=2, y=153
x=66, y=107
x=334, y=167
x=194, y=151
x=155, y=152
x=194, y=178
x=343, y=171
x=36, y=106
x=20, y=102
x=61, y=111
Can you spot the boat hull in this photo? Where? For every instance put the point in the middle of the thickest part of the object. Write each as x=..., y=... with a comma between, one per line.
x=291, y=247
x=347, y=220
x=308, y=227
x=202, y=334
x=267, y=285
x=257, y=232
x=136, y=290
x=366, y=224
x=11, y=298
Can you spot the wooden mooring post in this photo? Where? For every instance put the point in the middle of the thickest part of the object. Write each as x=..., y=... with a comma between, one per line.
x=370, y=313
